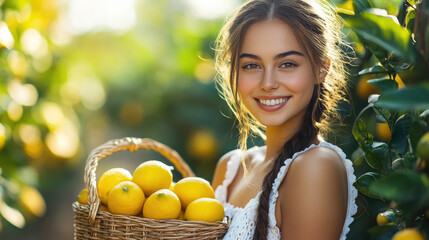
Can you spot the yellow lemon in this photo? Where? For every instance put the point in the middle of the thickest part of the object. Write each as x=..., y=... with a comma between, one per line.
x=408, y=234
x=126, y=198
x=399, y=81
x=152, y=176
x=365, y=89
x=82, y=198
x=109, y=180
x=162, y=204
x=191, y=188
x=382, y=219
x=32, y=201
x=383, y=131
x=423, y=146
x=203, y=145
x=205, y=209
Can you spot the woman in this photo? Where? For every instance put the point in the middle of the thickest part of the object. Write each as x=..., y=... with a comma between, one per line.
x=282, y=74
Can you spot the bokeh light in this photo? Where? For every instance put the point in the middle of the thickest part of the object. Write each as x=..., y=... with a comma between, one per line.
x=24, y=94
x=34, y=44
x=6, y=38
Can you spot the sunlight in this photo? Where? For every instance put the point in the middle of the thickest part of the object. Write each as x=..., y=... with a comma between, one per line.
x=211, y=9
x=100, y=15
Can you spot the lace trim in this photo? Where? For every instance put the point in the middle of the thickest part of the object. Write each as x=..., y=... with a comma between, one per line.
x=231, y=171
x=352, y=191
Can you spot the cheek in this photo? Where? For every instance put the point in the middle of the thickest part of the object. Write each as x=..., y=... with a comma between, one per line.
x=245, y=84
x=301, y=82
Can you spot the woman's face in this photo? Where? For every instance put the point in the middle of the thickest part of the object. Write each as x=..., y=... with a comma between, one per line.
x=275, y=77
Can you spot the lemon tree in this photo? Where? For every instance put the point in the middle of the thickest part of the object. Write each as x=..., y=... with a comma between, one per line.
x=391, y=131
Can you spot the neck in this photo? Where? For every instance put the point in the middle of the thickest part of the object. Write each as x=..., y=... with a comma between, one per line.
x=276, y=138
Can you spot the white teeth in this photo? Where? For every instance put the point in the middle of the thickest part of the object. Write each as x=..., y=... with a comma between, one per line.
x=272, y=101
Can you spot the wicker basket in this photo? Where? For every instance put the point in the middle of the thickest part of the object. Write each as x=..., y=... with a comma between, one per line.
x=92, y=223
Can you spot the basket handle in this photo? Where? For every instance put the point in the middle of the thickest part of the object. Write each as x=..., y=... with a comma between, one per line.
x=131, y=144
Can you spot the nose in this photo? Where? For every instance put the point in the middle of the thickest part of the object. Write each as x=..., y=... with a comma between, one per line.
x=269, y=82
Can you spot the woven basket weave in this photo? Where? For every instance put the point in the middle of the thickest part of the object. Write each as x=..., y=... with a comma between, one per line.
x=92, y=223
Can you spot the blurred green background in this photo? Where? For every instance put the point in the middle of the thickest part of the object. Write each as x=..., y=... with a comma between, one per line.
x=75, y=74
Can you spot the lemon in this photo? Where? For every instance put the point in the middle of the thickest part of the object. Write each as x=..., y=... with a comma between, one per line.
x=82, y=198
x=32, y=201
x=382, y=219
x=126, y=198
x=109, y=180
x=205, y=209
x=365, y=89
x=423, y=146
x=408, y=234
x=152, y=176
x=383, y=131
x=162, y=204
x=191, y=188
x=203, y=145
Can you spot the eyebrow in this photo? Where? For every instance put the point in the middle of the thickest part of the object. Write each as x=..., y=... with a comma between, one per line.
x=278, y=56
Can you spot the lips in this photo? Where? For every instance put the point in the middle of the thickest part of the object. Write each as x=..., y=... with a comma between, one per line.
x=271, y=104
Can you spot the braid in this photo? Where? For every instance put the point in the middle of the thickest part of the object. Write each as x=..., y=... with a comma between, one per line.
x=297, y=143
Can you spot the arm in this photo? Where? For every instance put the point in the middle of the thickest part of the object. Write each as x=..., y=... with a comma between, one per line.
x=314, y=197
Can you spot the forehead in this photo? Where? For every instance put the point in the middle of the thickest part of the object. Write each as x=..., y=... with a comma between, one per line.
x=271, y=36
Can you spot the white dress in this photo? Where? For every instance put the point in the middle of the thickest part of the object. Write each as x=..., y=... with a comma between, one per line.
x=243, y=220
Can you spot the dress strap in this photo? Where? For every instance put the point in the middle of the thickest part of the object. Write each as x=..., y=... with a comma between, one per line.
x=352, y=192
x=231, y=170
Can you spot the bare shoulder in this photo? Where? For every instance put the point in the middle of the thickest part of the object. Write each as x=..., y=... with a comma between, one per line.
x=315, y=187
x=320, y=161
x=221, y=166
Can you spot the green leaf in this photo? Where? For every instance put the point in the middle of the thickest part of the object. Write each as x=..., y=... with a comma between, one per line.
x=403, y=186
x=362, y=135
x=383, y=114
x=364, y=181
x=384, y=84
x=398, y=164
x=409, y=20
x=379, y=156
x=382, y=31
x=373, y=70
x=417, y=130
x=399, y=140
x=402, y=11
x=410, y=160
x=358, y=156
x=361, y=5
x=409, y=98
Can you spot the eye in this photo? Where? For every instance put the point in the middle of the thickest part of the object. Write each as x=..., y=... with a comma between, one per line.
x=251, y=66
x=288, y=65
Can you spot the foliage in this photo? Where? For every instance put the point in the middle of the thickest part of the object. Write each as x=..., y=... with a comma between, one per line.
x=396, y=57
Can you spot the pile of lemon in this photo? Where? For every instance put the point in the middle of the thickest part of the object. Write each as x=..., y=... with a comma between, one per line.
x=150, y=192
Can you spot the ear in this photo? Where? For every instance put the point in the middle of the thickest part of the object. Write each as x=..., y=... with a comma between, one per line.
x=323, y=71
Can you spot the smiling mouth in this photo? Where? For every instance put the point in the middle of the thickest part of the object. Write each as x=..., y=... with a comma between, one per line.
x=272, y=102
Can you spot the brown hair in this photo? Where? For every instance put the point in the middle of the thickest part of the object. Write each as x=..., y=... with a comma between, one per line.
x=318, y=29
